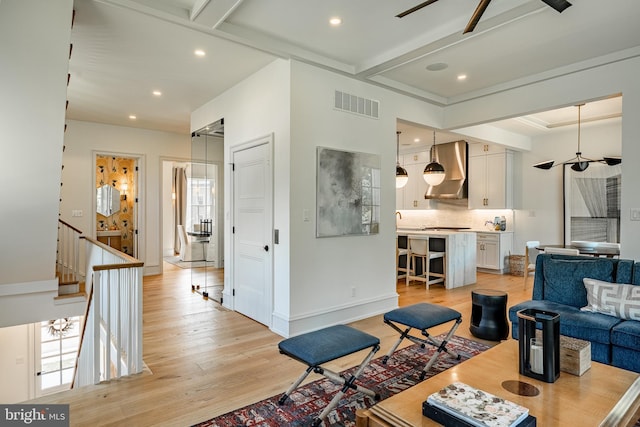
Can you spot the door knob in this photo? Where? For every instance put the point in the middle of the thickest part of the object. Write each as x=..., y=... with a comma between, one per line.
x=266, y=248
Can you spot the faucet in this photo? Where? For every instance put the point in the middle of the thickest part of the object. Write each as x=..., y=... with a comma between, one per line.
x=399, y=213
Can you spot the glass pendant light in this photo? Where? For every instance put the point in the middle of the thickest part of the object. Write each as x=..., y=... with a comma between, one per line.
x=434, y=172
x=401, y=173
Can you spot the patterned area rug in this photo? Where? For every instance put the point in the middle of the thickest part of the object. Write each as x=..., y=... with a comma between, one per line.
x=401, y=372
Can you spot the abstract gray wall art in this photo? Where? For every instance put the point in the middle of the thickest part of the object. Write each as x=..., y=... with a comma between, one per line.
x=348, y=193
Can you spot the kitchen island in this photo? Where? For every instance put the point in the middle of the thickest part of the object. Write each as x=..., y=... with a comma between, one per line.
x=460, y=253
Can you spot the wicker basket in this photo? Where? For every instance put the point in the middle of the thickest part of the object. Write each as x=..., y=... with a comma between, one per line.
x=516, y=265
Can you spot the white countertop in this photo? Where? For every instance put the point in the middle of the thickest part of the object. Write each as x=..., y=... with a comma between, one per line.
x=409, y=230
x=427, y=232
x=106, y=233
x=484, y=230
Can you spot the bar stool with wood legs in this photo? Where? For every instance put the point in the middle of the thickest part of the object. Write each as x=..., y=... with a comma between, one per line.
x=419, y=248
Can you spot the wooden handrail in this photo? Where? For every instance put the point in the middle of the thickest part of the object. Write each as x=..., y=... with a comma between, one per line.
x=109, y=249
x=70, y=226
x=117, y=266
x=82, y=332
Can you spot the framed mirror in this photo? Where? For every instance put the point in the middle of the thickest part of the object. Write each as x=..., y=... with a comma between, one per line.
x=107, y=200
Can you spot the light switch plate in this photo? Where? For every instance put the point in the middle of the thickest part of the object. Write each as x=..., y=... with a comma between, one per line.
x=635, y=214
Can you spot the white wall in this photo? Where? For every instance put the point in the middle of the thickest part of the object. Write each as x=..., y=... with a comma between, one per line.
x=16, y=364
x=33, y=78
x=340, y=279
x=82, y=140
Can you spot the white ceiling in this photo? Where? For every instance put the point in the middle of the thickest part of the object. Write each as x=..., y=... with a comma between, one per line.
x=125, y=49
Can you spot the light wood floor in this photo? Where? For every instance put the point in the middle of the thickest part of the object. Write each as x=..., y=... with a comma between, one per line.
x=205, y=360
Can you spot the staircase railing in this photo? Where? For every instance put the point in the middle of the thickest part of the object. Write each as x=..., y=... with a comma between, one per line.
x=111, y=340
x=68, y=253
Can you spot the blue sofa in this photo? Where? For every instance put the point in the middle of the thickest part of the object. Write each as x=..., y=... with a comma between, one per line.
x=558, y=287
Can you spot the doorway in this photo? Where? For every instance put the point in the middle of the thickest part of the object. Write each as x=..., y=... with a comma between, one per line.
x=116, y=202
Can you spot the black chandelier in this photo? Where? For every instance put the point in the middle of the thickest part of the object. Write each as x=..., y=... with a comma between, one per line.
x=579, y=163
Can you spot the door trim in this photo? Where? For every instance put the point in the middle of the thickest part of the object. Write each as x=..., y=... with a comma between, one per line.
x=139, y=206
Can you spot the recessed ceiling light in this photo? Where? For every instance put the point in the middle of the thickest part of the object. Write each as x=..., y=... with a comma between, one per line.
x=416, y=140
x=462, y=76
x=335, y=21
x=199, y=52
x=157, y=93
x=438, y=66
x=132, y=116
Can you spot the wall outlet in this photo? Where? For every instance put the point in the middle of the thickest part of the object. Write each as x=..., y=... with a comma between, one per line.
x=353, y=291
x=305, y=215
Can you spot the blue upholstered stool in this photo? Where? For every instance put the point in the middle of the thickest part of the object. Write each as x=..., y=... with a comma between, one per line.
x=325, y=345
x=422, y=317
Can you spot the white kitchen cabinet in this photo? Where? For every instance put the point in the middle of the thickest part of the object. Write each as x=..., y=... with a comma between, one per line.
x=412, y=194
x=492, y=250
x=490, y=177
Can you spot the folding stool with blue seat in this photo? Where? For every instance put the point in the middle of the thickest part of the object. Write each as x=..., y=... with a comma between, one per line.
x=422, y=317
x=325, y=345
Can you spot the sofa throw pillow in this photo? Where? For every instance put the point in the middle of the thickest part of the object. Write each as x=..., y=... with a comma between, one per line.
x=563, y=279
x=613, y=299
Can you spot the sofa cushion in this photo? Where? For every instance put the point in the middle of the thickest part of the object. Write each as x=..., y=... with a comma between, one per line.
x=626, y=334
x=623, y=271
x=625, y=358
x=563, y=279
x=613, y=299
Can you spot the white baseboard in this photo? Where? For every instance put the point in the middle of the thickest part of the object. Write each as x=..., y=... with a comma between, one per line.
x=307, y=322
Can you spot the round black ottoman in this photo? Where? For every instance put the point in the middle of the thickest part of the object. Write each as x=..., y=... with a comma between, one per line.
x=489, y=314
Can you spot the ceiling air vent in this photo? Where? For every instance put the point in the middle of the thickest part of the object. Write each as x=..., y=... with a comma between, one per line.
x=357, y=105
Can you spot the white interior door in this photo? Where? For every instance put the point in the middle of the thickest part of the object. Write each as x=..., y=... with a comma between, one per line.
x=252, y=224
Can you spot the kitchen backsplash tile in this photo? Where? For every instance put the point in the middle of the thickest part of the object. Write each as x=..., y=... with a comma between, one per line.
x=475, y=219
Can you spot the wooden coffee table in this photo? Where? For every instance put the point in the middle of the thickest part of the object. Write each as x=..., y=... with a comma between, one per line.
x=584, y=400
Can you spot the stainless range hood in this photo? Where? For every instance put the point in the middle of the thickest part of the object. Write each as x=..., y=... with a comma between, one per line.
x=453, y=157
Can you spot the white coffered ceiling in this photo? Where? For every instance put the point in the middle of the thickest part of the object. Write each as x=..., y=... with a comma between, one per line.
x=125, y=49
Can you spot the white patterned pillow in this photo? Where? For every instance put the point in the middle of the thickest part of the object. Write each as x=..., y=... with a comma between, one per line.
x=613, y=299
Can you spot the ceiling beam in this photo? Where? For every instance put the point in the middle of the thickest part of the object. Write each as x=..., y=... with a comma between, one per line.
x=212, y=13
